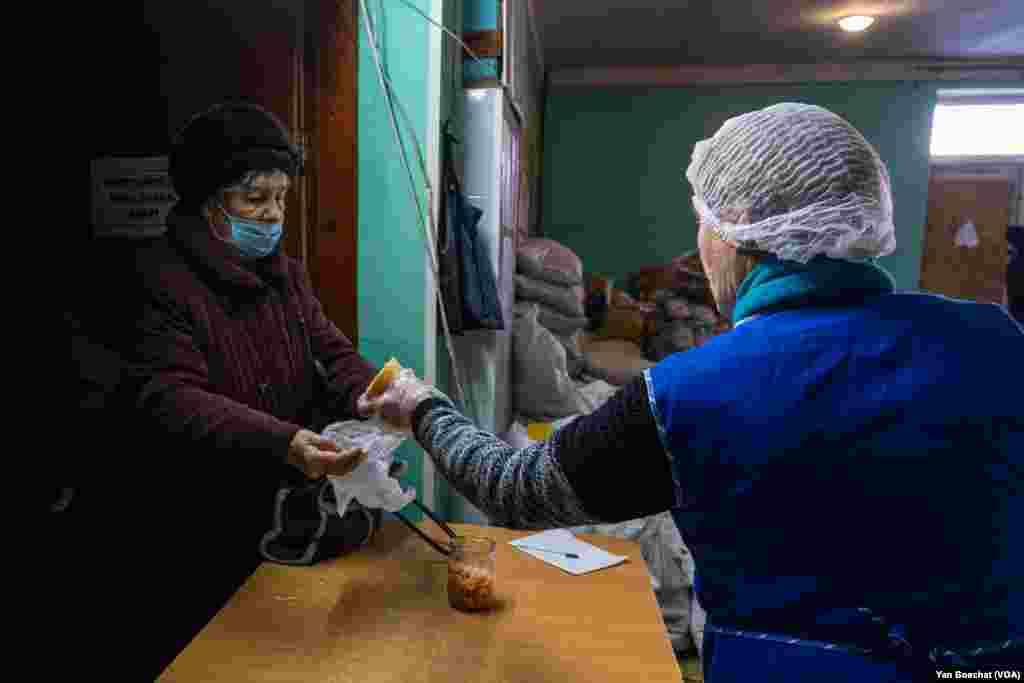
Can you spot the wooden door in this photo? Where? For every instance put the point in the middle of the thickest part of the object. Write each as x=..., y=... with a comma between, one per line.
x=331, y=105
x=965, y=250
x=299, y=61
x=270, y=73
x=230, y=51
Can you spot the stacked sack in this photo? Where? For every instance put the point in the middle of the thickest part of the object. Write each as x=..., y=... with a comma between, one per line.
x=549, y=276
x=613, y=351
x=681, y=324
x=624, y=317
x=683, y=275
x=685, y=315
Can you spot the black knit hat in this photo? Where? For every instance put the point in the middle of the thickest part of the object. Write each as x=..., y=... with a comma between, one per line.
x=222, y=144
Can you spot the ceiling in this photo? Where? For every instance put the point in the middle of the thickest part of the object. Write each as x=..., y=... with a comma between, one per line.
x=636, y=33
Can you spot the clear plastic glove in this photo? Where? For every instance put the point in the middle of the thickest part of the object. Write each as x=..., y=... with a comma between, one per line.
x=372, y=483
x=396, y=404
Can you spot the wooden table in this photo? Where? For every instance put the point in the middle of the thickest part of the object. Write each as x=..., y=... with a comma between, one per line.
x=381, y=615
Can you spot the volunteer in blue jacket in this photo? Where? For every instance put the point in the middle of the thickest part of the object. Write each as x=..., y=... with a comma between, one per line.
x=845, y=465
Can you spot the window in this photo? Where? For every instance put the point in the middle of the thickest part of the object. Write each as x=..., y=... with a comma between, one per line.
x=978, y=125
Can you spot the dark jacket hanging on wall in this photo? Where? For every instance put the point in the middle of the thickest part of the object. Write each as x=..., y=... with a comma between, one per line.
x=448, y=255
x=468, y=285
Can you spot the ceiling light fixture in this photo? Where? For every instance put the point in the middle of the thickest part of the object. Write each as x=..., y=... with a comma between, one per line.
x=855, y=23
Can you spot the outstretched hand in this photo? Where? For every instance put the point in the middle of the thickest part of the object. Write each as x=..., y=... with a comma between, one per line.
x=318, y=456
x=396, y=404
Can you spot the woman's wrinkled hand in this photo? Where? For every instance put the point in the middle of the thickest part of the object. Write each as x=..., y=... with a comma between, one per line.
x=396, y=404
x=318, y=456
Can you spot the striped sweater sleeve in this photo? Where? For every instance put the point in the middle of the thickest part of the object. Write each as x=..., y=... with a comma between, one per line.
x=605, y=467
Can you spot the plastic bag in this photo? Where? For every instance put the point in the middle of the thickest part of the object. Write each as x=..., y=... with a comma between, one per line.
x=369, y=483
x=541, y=386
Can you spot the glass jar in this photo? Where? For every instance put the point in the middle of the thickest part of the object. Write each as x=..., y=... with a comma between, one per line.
x=471, y=573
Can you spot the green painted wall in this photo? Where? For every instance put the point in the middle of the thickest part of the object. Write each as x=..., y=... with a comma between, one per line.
x=451, y=90
x=614, y=159
x=391, y=253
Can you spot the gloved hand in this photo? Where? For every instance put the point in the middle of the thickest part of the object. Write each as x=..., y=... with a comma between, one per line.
x=396, y=404
x=317, y=456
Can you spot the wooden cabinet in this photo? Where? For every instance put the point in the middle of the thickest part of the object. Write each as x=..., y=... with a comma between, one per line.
x=330, y=107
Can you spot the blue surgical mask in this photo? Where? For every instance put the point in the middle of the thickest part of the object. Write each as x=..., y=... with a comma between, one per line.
x=255, y=239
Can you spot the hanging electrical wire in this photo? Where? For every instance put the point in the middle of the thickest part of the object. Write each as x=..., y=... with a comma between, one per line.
x=405, y=115
x=428, y=235
x=455, y=37
x=497, y=77
x=394, y=105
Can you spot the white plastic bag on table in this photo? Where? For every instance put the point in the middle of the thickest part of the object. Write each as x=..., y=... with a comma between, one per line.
x=369, y=483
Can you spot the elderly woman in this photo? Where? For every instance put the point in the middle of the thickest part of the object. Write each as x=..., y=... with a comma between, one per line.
x=235, y=368
x=845, y=464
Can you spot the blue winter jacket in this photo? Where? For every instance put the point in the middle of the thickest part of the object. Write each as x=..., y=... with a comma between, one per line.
x=852, y=482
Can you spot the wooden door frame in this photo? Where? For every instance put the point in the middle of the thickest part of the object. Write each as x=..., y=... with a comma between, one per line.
x=322, y=71
x=939, y=232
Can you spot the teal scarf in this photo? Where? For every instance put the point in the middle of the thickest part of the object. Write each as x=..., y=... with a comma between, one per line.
x=775, y=285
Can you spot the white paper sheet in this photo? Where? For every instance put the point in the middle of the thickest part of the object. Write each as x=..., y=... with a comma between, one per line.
x=591, y=558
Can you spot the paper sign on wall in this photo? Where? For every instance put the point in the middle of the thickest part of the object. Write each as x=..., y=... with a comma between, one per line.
x=966, y=235
x=131, y=196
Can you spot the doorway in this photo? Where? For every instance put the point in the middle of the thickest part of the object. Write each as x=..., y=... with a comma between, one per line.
x=974, y=194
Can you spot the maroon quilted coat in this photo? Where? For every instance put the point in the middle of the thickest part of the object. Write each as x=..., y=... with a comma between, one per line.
x=222, y=376
x=218, y=379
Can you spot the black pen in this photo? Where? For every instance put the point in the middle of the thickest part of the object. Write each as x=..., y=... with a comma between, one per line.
x=573, y=556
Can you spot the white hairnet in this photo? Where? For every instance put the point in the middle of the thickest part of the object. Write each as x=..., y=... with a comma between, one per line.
x=808, y=182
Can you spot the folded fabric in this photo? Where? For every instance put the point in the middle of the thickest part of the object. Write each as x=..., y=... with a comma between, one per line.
x=566, y=299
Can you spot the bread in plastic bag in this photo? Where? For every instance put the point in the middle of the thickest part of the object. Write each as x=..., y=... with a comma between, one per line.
x=369, y=483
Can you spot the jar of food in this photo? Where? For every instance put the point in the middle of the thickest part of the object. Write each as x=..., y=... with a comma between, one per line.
x=471, y=573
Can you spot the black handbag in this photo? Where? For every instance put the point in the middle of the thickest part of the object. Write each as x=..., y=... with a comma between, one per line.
x=306, y=527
